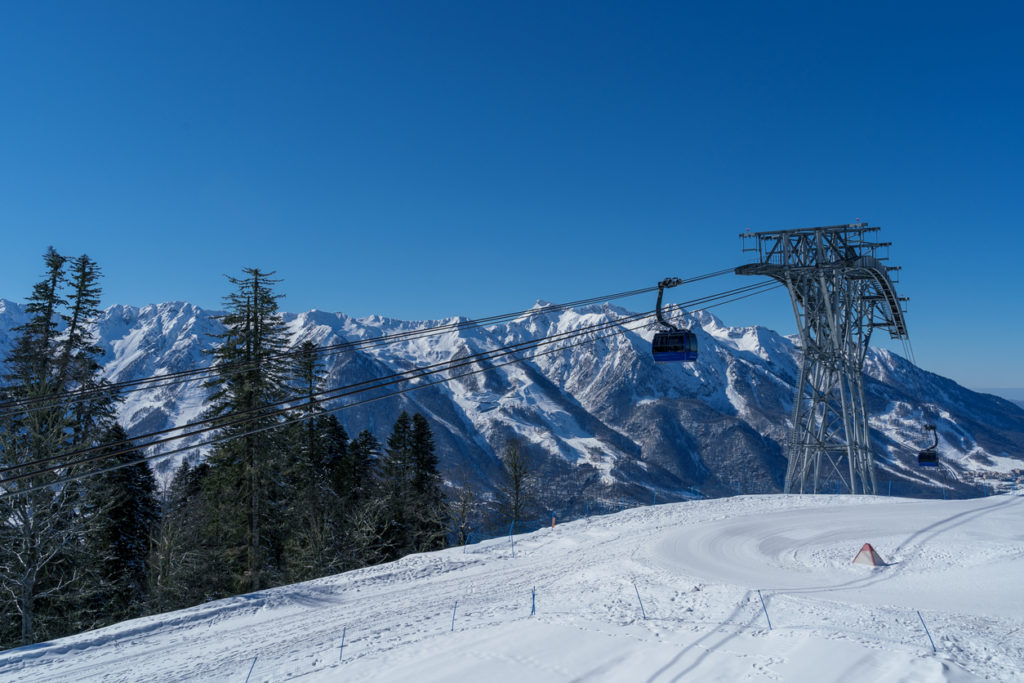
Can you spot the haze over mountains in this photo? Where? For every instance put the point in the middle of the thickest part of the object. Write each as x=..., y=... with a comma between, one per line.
x=603, y=421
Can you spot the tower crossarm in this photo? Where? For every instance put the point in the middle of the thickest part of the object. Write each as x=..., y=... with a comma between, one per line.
x=870, y=268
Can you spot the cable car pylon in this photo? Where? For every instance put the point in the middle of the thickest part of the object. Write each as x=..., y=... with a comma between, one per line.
x=841, y=292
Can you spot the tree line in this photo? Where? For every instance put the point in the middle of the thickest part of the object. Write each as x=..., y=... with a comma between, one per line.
x=279, y=498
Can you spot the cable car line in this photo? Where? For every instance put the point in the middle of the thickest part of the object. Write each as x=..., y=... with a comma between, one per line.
x=216, y=422
x=621, y=329
x=194, y=374
x=366, y=384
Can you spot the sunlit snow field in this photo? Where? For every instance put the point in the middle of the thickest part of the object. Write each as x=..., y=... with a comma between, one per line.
x=700, y=570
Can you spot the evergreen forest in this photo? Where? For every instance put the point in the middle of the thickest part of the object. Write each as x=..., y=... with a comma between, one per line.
x=88, y=537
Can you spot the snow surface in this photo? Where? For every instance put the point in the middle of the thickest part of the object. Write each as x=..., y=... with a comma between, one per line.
x=700, y=569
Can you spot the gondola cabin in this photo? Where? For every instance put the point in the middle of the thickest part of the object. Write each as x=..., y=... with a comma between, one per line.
x=674, y=347
x=929, y=457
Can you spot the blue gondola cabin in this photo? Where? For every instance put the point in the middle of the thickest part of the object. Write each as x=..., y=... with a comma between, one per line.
x=674, y=347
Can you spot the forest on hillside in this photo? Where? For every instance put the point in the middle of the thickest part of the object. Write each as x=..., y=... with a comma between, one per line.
x=88, y=538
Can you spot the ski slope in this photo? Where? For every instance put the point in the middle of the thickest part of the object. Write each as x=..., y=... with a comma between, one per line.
x=700, y=569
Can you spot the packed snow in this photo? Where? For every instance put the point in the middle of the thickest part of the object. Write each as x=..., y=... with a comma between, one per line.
x=683, y=591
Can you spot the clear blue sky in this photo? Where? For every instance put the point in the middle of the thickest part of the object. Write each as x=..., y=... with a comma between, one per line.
x=426, y=159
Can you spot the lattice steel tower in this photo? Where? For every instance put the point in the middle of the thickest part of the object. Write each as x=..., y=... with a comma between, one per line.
x=841, y=291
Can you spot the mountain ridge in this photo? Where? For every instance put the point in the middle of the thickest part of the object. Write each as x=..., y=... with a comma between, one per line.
x=601, y=417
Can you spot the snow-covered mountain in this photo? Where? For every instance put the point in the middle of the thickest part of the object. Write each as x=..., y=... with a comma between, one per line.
x=603, y=420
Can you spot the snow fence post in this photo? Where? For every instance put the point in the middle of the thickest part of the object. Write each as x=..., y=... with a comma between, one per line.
x=533, y=601
x=341, y=650
x=890, y=487
x=251, y=668
x=454, y=607
x=765, y=608
x=588, y=510
x=926, y=630
x=642, y=612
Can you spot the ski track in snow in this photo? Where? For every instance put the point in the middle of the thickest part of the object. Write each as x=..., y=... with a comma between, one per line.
x=696, y=566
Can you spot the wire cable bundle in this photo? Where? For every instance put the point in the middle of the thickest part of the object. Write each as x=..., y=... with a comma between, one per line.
x=391, y=385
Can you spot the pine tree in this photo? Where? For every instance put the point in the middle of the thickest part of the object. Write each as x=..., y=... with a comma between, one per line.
x=429, y=507
x=41, y=527
x=184, y=565
x=363, y=462
x=398, y=532
x=244, y=483
x=413, y=502
x=366, y=518
x=78, y=368
x=123, y=512
x=314, y=544
x=315, y=473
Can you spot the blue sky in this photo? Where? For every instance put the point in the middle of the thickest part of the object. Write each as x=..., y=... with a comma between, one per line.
x=420, y=160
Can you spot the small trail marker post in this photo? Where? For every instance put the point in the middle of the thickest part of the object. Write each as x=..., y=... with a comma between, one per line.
x=765, y=608
x=341, y=650
x=251, y=668
x=926, y=630
x=643, y=613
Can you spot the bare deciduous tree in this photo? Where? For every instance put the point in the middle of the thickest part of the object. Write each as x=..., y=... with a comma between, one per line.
x=517, y=489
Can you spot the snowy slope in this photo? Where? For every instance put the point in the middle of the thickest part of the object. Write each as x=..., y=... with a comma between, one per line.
x=603, y=418
x=700, y=569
